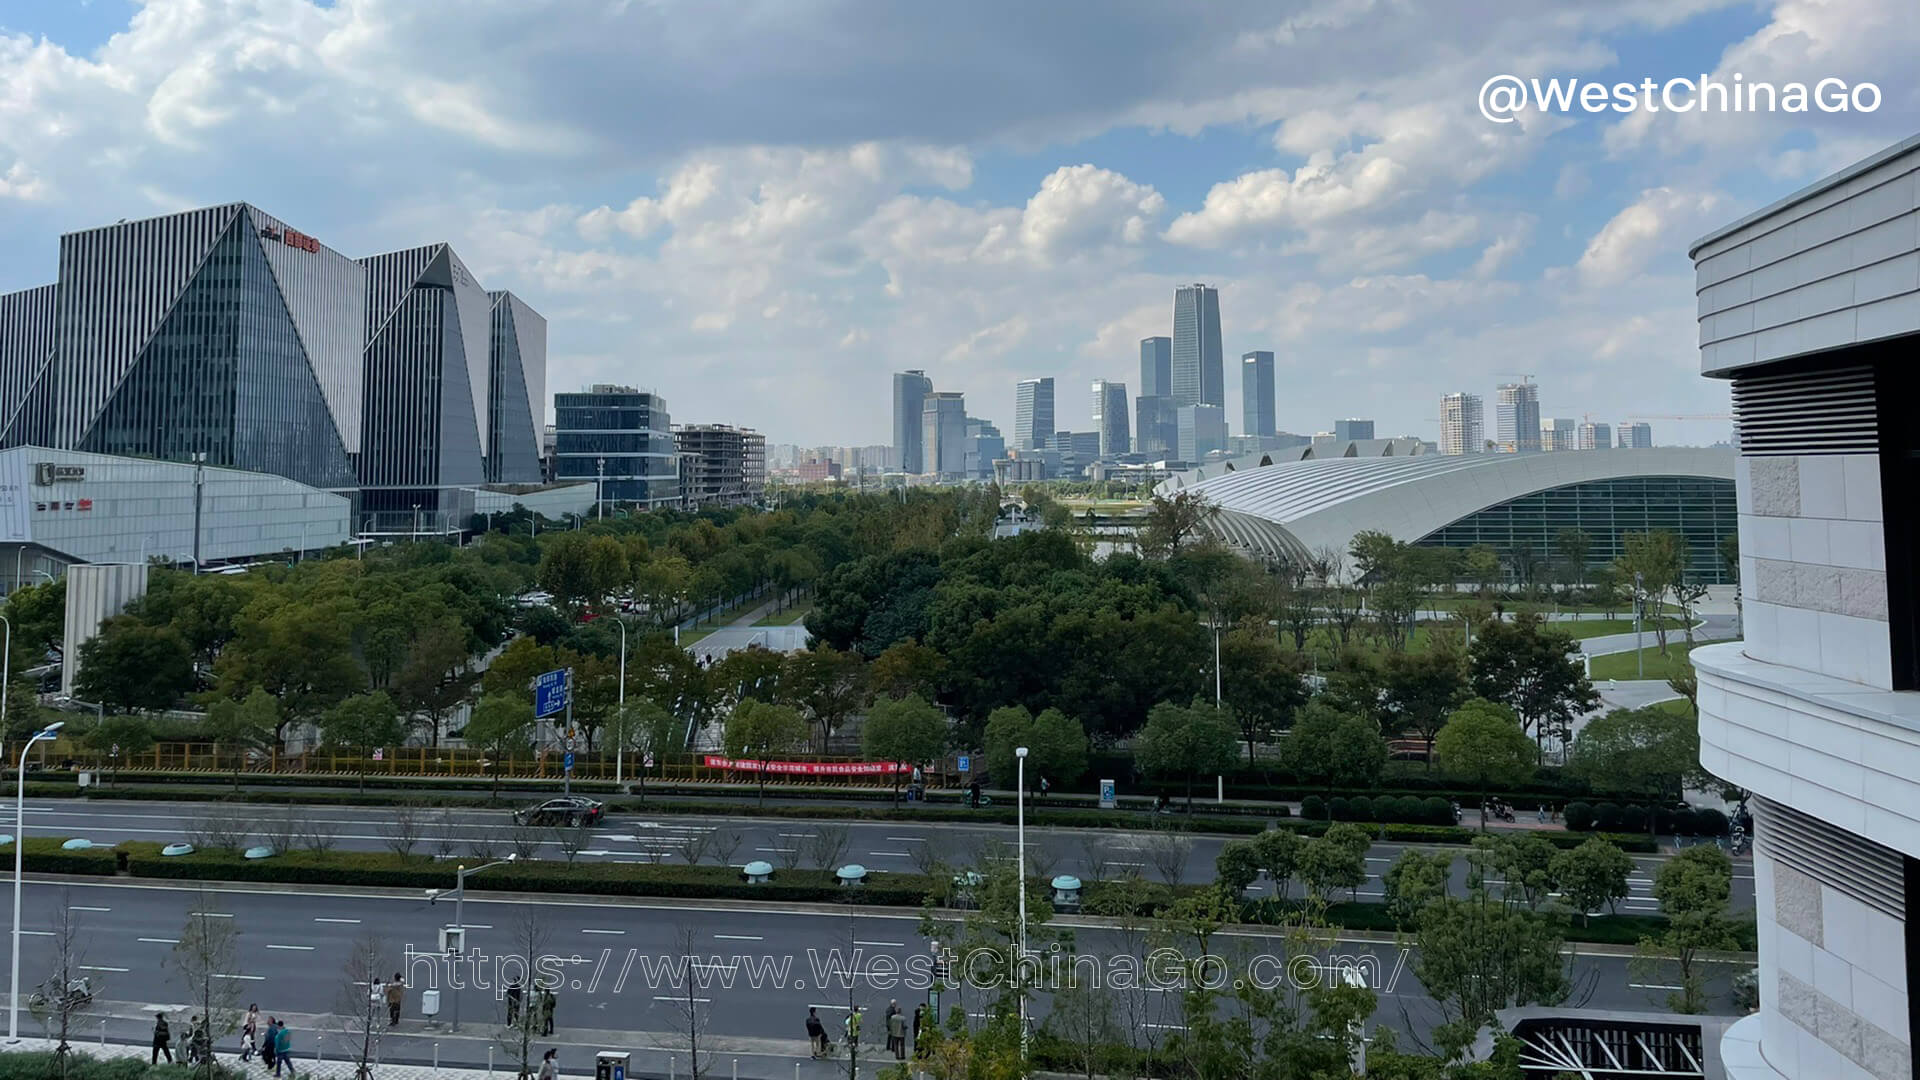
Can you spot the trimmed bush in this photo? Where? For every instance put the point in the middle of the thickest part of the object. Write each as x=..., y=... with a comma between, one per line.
x=1709, y=822
x=1606, y=817
x=1633, y=819
x=1437, y=811
x=1340, y=808
x=1362, y=808
x=1579, y=816
x=1313, y=808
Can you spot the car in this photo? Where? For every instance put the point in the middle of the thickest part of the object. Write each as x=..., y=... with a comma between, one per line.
x=567, y=810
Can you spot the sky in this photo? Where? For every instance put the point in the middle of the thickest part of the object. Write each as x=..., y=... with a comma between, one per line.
x=762, y=208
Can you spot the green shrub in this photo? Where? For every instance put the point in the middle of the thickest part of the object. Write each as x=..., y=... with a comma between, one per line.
x=37, y=1066
x=1361, y=808
x=1579, y=816
x=1340, y=808
x=1633, y=818
x=1313, y=808
x=1606, y=817
x=44, y=855
x=1438, y=811
x=1709, y=822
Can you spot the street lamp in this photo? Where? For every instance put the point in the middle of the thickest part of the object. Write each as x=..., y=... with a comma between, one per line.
x=620, y=710
x=459, y=892
x=1639, y=589
x=600, y=489
x=1020, y=881
x=19, y=845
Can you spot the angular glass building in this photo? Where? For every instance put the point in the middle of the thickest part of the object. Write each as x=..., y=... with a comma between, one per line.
x=630, y=432
x=1199, y=372
x=227, y=333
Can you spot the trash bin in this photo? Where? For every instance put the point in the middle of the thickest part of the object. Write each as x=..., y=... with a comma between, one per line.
x=429, y=1003
x=86, y=779
x=611, y=1065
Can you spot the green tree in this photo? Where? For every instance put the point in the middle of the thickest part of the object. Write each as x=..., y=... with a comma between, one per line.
x=130, y=665
x=906, y=730
x=243, y=727
x=760, y=731
x=907, y=668
x=1186, y=741
x=1335, y=860
x=1525, y=863
x=1333, y=748
x=120, y=738
x=1692, y=888
x=1260, y=683
x=1414, y=880
x=1483, y=745
x=1175, y=522
x=501, y=726
x=300, y=650
x=1651, y=564
x=1278, y=851
x=1478, y=954
x=646, y=727
x=828, y=686
x=1573, y=545
x=1592, y=875
x=513, y=671
x=1482, y=566
x=362, y=724
x=1057, y=744
x=1422, y=688
x=1521, y=664
x=434, y=679
x=1646, y=751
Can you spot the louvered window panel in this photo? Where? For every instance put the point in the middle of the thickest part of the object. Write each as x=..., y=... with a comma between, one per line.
x=1812, y=412
x=1864, y=870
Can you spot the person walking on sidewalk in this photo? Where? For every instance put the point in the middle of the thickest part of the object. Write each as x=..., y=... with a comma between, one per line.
x=250, y=1031
x=897, y=1032
x=282, y=1050
x=547, y=1002
x=396, y=996
x=549, y=1068
x=514, y=996
x=162, y=1039
x=853, y=1030
x=266, y=1041
x=816, y=1033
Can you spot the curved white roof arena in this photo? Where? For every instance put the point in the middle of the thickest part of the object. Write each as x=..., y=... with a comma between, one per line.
x=1293, y=508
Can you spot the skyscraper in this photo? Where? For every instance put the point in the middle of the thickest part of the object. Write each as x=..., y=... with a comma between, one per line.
x=1110, y=417
x=1256, y=393
x=1517, y=417
x=1348, y=430
x=1636, y=436
x=1156, y=367
x=1462, y=424
x=984, y=446
x=1033, y=413
x=1596, y=436
x=943, y=440
x=627, y=429
x=1203, y=430
x=910, y=390
x=1559, y=433
x=1199, y=373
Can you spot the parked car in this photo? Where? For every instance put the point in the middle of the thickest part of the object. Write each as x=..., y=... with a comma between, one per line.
x=567, y=810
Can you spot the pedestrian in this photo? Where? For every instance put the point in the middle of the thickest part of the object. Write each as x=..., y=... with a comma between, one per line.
x=250, y=1031
x=267, y=1054
x=1044, y=787
x=396, y=996
x=514, y=995
x=1543, y=813
x=816, y=1033
x=162, y=1039
x=549, y=1068
x=897, y=1033
x=282, y=1050
x=853, y=1030
x=547, y=1003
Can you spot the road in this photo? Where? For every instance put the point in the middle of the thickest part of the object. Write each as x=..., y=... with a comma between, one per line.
x=758, y=970
x=883, y=847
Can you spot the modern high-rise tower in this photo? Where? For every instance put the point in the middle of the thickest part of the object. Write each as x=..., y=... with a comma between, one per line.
x=1033, y=414
x=1462, y=424
x=1156, y=425
x=1110, y=417
x=1156, y=367
x=943, y=439
x=1350, y=430
x=910, y=390
x=1596, y=436
x=1199, y=373
x=1517, y=418
x=1636, y=436
x=1256, y=393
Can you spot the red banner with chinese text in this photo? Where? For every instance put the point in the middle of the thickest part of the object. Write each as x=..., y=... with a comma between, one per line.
x=809, y=768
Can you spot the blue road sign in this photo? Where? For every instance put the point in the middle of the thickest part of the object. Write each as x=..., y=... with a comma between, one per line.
x=966, y=763
x=569, y=764
x=550, y=690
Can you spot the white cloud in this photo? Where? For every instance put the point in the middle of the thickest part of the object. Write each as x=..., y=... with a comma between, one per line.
x=1661, y=222
x=1082, y=208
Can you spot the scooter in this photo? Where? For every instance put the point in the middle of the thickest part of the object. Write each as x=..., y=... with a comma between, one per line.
x=79, y=993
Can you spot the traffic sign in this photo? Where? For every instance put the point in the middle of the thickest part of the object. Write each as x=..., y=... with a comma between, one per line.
x=1107, y=795
x=569, y=762
x=552, y=691
x=966, y=763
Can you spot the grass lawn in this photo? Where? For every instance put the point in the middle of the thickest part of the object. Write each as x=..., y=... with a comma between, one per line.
x=1678, y=706
x=1624, y=666
x=1586, y=628
x=785, y=618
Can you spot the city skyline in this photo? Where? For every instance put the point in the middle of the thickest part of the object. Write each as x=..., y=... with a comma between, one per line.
x=1376, y=233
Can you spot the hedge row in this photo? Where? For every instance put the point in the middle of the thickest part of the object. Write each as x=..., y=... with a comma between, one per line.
x=989, y=815
x=23, y=1065
x=1668, y=820
x=1401, y=808
x=171, y=777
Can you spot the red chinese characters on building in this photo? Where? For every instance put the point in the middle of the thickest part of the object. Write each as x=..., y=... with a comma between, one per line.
x=296, y=238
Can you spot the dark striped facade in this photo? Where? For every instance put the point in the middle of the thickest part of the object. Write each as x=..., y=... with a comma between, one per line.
x=226, y=332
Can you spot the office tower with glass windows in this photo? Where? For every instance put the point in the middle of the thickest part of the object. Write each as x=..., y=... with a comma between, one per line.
x=1203, y=430
x=1110, y=417
x=1637, y=435
x=910, y=390
x=1595, y=436
x=1462, y=424
x=1033, y=414
x=517, y=391
x=1199, y=375
x=1256, y=393
x=943, y=426
x=1517, y=417
x=627, y=429
x=1350, y=430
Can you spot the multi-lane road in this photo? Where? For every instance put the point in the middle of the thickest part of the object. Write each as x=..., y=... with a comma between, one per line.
x=758, y=968
x=885, y=847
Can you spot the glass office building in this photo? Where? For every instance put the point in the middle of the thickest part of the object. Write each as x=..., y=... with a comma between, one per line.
x=630, y=431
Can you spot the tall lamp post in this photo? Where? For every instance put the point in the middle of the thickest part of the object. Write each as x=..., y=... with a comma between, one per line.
x=600, y=489
x=620, y=710
x=459, y=893
x=1020, y=882
x=19, y=844
x=1639, y=606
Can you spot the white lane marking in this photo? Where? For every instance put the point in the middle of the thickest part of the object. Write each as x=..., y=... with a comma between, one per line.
x=38, y=933
x=1653, y=986
x=894, y=854
x=246, y=978
x=293, y=948
x=337, y=920
x=786, y=850
x=909, y=839
x=161, y=940
x=739, y=937
x=696, y=1001
x=883, y=944
x=94, y=967
x=591, y=931
x=824, y=1005
x=80, y=907
x=478, y=926
x=211, y=914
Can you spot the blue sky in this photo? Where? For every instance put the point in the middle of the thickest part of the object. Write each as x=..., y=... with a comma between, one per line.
x=761, y=208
